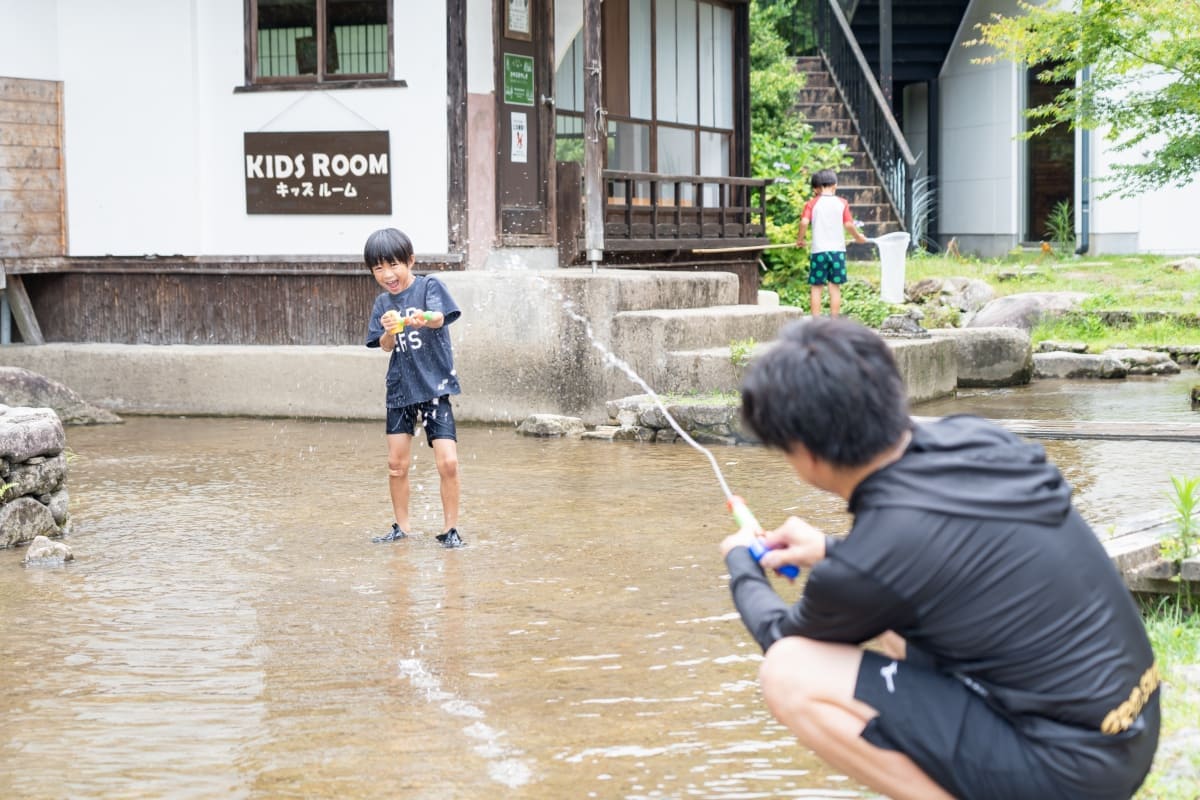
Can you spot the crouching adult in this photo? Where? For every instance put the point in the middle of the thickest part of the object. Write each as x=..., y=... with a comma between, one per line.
x=1005, y=659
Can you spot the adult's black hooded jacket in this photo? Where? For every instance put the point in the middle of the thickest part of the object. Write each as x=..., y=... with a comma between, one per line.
x=968, y=547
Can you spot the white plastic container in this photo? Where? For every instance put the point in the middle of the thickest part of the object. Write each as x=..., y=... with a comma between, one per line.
x=892, y=249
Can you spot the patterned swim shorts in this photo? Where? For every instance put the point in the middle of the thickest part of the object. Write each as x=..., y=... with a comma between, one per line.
x=827, y=267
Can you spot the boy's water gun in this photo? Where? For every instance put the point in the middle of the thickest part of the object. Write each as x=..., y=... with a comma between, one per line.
x=745, y=519
x=399, y=327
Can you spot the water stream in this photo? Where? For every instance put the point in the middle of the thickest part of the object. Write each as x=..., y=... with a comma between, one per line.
x=229, y=630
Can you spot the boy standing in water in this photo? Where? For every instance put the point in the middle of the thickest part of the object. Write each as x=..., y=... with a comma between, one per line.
x=409, y=321
x=828, y=215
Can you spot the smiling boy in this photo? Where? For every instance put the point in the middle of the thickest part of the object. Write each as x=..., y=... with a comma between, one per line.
x=408, y=320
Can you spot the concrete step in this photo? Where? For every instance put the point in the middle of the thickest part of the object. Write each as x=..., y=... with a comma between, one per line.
x=853, y=144
x=709, y=370
x=645, y=338
x=818, y=94
x=641, y=290
x=861, y=194
x=692, y=328
x=840, y=127
x=823, y=108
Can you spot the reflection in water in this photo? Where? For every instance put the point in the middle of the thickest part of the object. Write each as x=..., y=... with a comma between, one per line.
x=229, y=630
x=1113, y=480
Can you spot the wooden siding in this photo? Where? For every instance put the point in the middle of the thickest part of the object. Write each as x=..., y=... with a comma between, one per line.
x=134, y=301
x=32, y=208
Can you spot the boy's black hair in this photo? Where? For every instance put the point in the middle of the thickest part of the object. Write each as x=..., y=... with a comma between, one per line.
x=824, y=177
x=387, y=246
x=831, y=385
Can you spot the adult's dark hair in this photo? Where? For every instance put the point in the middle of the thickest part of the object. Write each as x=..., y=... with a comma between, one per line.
x=831, y=385
x=824, y=177
x=387, y=246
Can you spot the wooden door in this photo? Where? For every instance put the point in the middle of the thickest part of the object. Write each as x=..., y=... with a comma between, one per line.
x=525, y=118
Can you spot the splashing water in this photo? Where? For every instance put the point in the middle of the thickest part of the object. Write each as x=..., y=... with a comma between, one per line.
x=614, y=360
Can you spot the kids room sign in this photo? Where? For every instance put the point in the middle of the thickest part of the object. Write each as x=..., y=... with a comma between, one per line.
x=334, y=172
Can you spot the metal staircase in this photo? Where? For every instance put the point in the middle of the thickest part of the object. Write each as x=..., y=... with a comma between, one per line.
x=825, y=110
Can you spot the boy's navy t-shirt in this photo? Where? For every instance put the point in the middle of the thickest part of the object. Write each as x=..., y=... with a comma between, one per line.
x=422, y=365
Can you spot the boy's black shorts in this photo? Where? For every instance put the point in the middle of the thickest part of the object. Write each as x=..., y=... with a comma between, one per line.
x=436, y=416
x=972, y=751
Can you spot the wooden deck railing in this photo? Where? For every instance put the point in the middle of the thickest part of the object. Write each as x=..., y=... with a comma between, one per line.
x=652, y=211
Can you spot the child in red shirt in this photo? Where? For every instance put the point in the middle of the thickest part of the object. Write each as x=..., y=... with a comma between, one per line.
x=828, y=215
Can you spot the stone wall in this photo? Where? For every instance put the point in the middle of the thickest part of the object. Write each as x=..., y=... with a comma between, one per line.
x=33, y=472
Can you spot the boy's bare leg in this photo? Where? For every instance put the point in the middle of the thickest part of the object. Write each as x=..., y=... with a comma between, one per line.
x=445, y=453
x=399, y=455
x=809, y=687
x=814, y=300
x=835, y=299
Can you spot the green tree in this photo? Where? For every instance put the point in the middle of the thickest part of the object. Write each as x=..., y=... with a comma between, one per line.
x=1143, y=84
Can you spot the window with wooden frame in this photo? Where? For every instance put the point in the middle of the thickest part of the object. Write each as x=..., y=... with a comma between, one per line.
x=305, y=42
x=668, y=89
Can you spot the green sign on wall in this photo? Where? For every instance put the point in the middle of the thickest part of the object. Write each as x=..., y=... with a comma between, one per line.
x=518, y=80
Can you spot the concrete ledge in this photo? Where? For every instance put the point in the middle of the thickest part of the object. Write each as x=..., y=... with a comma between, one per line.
x=501, y=382
x=929, y=367
x=990, y=356
x=218, y=380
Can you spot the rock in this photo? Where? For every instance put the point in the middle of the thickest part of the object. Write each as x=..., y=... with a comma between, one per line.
x=26, y=433
x=990, y=357
x=968, y=295
x=633, y=433
x=1076, y=365
x=58, y=504
x=23, y=520
x=38, y=476
x=1189, y=264
x=21, y=387
x=628, y=410
x=1144, y=362
x=43, y=551
x=1189, y=569
x=924, y=289
x=550, y=425
x=1052, y=346
x=768, y=299
x=1025, y=310
x=906, y=326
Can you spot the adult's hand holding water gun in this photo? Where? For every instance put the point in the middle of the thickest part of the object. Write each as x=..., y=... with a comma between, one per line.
x=795, y=543
x=750, y=535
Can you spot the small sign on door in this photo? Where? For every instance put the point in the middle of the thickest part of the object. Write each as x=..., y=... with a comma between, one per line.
x=518, y=80
x=520, y=138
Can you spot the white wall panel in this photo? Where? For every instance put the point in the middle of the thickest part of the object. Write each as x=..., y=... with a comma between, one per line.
x=154, y=148
x=29, y=39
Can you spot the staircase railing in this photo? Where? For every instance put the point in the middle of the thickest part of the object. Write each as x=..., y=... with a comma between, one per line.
x=882, y=138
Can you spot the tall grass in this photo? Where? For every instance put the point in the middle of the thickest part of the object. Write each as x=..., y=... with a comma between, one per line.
x=1174, y=631
x=1091, y=330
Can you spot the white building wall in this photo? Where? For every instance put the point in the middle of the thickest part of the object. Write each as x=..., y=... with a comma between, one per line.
x=481, y=70
x=980, y=157
x=982, y=164
x=28, y=42
x=916, y=125
x=153, y=129
x=1162, y=221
